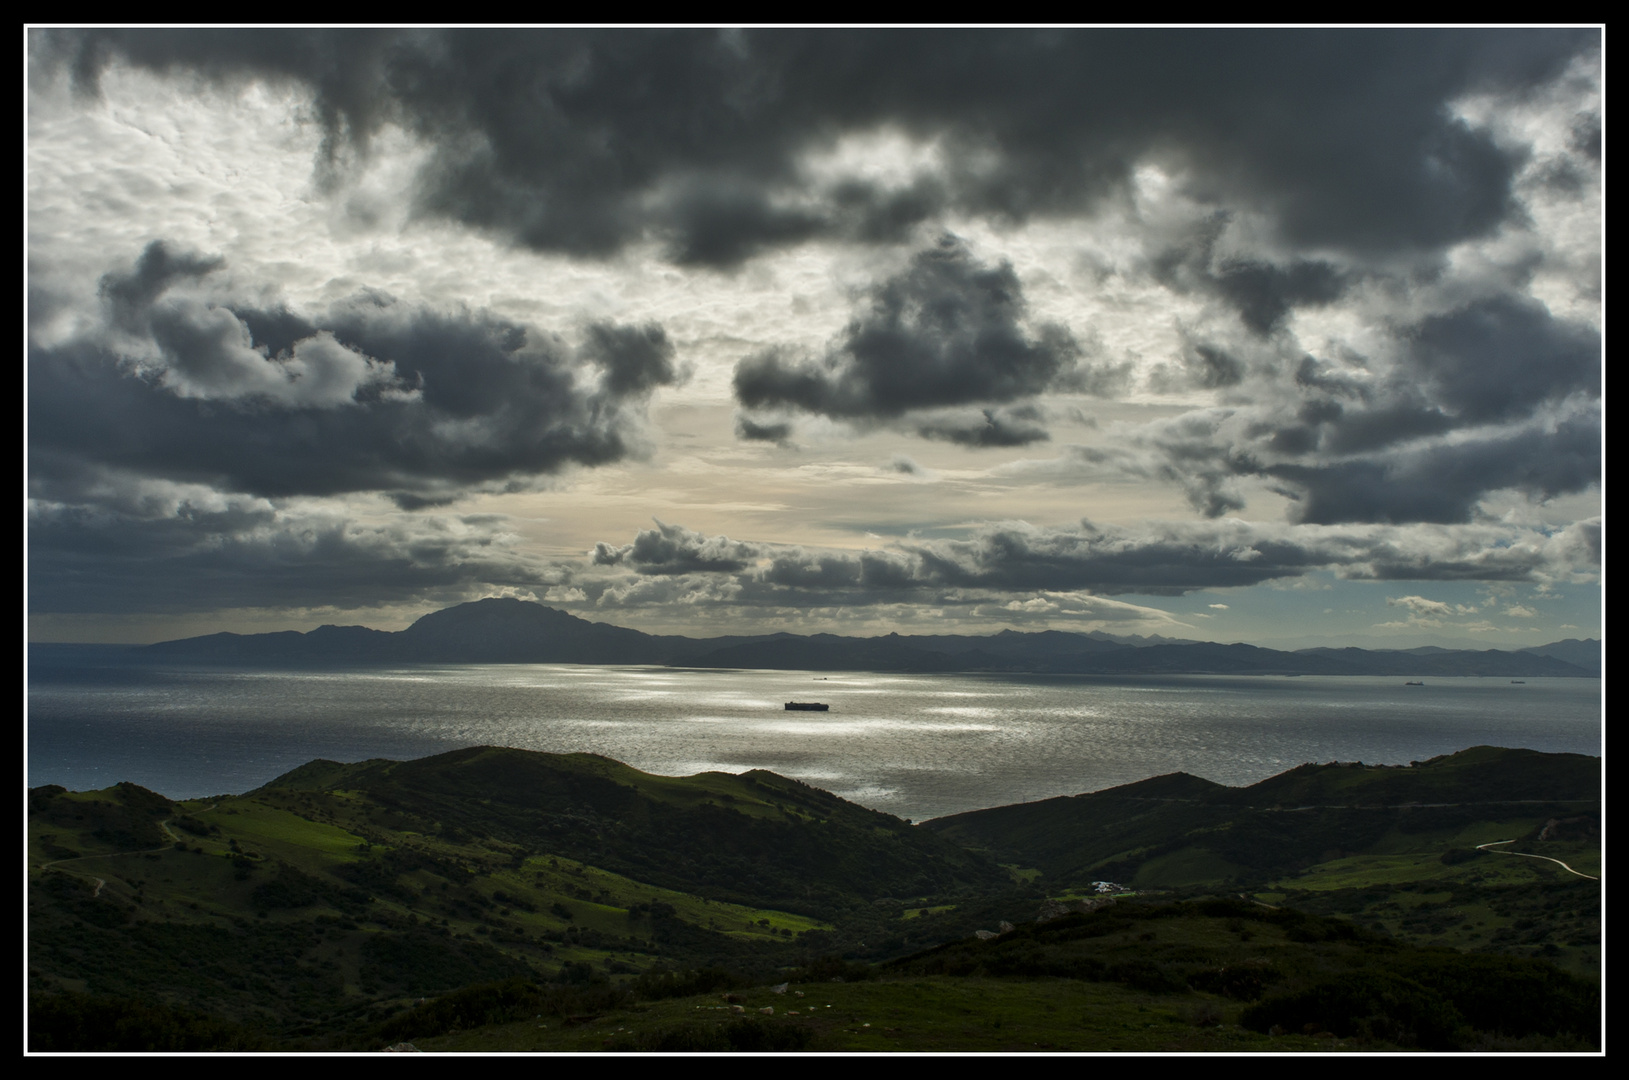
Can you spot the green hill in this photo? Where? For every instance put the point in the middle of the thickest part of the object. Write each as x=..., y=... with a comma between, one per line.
x=1278, y=826
x=345, y=904
x=756, y=838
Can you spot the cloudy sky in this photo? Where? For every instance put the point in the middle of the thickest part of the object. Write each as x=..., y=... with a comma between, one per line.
x=1290, y=336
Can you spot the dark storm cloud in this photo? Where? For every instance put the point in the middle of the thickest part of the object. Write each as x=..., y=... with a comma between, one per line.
x=371, y=395
x=754, y=431
x=1264, y=293
x=1444, y=482
x=1398, y=472
x=722, y=222
x=947, y=330
x=1498, y=394
x=587, y=140
x=635, y=359
x=1261, y=292
x=1504, y=357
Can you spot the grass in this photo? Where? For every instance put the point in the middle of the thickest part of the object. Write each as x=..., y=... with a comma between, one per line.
x=382, y=870
x=1190, y=866
x=283, y=833
x=927, y=1014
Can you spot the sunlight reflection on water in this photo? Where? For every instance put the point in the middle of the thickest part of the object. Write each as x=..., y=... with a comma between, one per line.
x=914, y=745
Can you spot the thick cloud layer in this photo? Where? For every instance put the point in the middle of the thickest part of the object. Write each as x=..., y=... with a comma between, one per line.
x=169, y=548
x=673, y=549
x=369, y=396
x=1003, y=560
x=587, y=141
x=1343, y=283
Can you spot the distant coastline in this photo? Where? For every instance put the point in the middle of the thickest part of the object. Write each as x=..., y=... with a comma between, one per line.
x=499, y=631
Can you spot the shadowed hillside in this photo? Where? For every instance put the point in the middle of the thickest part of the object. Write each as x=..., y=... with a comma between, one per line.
x=494, y=898
x=1282, y=824
x=754, y=838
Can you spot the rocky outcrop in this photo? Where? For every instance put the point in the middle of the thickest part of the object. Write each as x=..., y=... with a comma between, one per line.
x=1057, y=909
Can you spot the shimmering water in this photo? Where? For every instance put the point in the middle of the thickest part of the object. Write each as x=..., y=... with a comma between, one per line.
x=914, y=745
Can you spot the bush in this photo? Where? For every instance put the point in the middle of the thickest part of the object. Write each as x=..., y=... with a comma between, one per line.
x=81, y=1022
x=655, y=985
x=1365, y=1005
x=1239, y=983
x=471, y=1007
x=833, y=969
x=1508, y=995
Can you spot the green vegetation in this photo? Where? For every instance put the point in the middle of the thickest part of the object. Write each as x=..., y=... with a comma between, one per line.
x=500, y=899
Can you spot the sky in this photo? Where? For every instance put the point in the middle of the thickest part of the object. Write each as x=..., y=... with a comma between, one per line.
x=1291, y=337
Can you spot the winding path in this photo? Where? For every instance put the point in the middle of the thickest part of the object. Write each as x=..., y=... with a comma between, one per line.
x=100, y=882
x=1523, y=854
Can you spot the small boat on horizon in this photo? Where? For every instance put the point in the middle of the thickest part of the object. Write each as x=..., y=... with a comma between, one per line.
x=1518, y=682
x=806, y=706
x=1414, y=684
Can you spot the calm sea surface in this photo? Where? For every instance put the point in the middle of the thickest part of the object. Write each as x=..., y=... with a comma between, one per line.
x=914, y=745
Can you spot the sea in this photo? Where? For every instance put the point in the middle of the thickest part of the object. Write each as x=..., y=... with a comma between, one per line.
x=917, y=746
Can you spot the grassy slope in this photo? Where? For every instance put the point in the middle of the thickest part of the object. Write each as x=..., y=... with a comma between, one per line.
x=1148, y=977
x=340, y=890
x=755, y=839
x=318, y=904
x=922, y=1014
x=1343, y=839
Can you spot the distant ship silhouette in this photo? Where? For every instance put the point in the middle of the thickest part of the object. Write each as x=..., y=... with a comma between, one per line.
x=806, y=706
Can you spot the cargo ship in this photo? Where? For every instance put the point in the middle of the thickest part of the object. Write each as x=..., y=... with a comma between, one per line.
x=806, y=706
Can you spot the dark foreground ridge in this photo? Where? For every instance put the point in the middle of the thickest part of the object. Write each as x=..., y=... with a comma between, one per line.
x=501, y=899
x=505, y=631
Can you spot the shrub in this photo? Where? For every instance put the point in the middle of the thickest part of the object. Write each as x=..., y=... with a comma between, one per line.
x=1365, y=1005
x=657, y=984
x=81, y=1022
x=471, y=1007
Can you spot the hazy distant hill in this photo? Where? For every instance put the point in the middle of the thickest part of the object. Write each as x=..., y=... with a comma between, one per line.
x=1584, y=654
x=504, y=631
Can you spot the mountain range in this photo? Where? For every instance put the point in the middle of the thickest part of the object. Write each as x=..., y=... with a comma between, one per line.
x=510, y=631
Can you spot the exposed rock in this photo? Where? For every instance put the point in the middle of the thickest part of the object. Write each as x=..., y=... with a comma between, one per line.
x=1057, y=909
